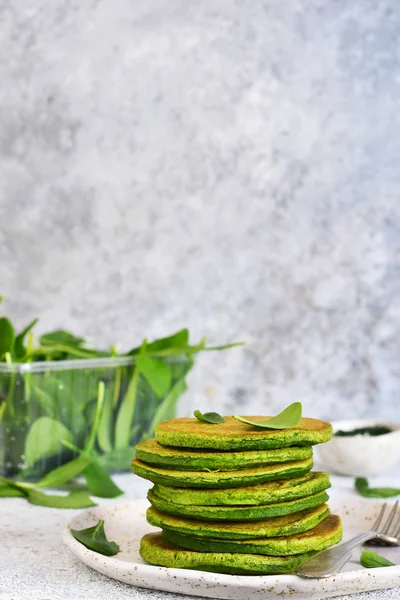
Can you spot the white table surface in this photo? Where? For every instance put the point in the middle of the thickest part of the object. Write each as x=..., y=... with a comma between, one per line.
x=35, y=565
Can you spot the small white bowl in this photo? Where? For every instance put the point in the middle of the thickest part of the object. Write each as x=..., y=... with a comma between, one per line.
x=361, y=455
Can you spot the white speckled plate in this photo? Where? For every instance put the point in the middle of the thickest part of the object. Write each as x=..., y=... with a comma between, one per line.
x=125, y=523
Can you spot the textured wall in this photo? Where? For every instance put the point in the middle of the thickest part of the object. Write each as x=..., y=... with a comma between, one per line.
x=230, y=166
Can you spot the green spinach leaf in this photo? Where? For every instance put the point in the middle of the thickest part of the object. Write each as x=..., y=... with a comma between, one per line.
x=210, y=417
x=288, y=418
x=104, y=431
x=180, y=339
x=126, y=413
x=372, y=560
x=362, y=486
x=19, y=348
x=65, y=473
x=7, y=336
x=167, y=407
x=94, y=538
x=58, y=403
x=118, y=459
x=156, y=372
x=97, y=416
x=99, y=482
x=8, y=491
x=75, y=499
x=60, y=336
x=45, y=439
x=178, y=345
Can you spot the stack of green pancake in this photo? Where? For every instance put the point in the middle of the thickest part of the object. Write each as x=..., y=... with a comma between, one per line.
x=234, y=498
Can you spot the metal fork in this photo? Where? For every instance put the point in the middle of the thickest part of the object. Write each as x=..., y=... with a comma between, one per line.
x=330, y=561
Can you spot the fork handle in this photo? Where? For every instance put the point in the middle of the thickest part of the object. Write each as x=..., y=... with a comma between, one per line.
x=330, y=561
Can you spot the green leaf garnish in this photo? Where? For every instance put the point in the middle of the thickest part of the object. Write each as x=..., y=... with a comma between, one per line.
x=372, y=560
x=362, y=486
x=211, y=417
x=94, y=538
x=288, y=418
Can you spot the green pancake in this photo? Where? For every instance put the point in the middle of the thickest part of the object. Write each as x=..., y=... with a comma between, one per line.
x=236, y=513
x=156, y=550
x=235, y=435
x=153, y=453
x=325, y=534
x=273, y=527
x=221, y=479
x=264, y=493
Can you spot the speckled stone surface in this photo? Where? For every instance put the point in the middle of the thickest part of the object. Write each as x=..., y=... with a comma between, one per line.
x=230, y=166
x=35, y=564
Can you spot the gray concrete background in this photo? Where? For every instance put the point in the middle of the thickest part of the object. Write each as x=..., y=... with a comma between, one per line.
x=229, y=166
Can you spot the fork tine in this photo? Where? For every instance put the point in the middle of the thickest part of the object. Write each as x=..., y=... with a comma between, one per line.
x=396, y=526
x=390, y=518
x=397, y=534
x=379, y=518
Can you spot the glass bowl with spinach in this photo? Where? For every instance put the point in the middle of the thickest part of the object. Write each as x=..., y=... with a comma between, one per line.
x=60, y=399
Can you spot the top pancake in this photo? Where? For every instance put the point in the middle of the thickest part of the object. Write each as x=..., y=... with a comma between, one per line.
x=235, y=435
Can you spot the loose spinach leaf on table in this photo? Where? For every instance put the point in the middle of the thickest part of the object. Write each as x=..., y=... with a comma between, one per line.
x=210, y=417
x=75, y=499
x=288, y=418
x=362, y=486
x=372, y=560
x=94, y=538
x=8, y=491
